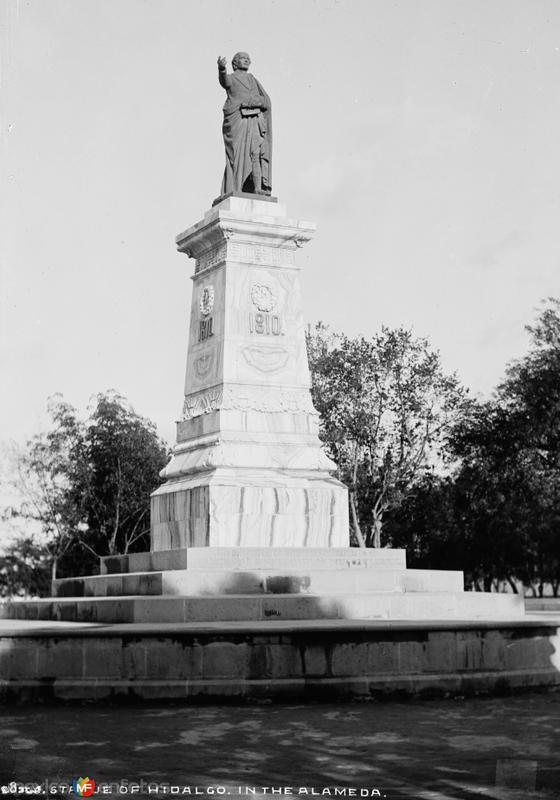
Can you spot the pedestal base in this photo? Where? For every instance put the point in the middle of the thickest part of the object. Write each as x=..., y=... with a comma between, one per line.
x=238, y=508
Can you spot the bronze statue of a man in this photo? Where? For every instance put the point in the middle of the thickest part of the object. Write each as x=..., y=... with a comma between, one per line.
x=247, y=129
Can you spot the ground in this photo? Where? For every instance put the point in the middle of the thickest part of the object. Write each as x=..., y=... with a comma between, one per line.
x=505, y=747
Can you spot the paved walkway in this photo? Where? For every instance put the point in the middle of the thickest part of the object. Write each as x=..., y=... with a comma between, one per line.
x=500, y=748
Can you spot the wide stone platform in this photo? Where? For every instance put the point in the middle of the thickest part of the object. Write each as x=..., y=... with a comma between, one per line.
x=276, y=660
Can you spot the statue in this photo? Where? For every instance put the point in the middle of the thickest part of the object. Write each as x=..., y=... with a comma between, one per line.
x=247, y=129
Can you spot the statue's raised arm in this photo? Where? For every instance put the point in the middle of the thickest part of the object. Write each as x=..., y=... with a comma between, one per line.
x=247, y=129
x=223, y=77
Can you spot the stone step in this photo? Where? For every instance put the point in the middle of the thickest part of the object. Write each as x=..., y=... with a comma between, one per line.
x=407, y=606
x=256, y=558
x=215, y=582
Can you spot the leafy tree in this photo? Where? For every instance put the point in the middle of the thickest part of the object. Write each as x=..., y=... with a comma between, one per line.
x=385, y=406
x=493, y=485
x=507, y=481
x=112, y=488
x=44, y=474
x=420, y=524
x=88, y=483
x=530, y=396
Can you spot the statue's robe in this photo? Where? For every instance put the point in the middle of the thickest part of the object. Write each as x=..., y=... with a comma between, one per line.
x=247, y=132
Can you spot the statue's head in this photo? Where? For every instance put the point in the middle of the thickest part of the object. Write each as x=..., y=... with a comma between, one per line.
x=241, y=61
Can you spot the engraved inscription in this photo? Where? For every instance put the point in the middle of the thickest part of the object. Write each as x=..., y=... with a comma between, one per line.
x=211, y=258
x=205, y=329
x=242, y=251
x=266, y=324
x=261, y=254
x=284, y=558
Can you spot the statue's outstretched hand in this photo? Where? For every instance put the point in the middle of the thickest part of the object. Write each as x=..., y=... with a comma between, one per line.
x=222, y=61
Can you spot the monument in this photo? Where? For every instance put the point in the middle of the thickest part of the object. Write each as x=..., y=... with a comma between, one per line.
x=248, y=468
x=250, y=588
x=249, y=509
x=249, y=522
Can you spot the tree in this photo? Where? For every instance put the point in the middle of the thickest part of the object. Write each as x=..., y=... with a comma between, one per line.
x=88, y=483
x=45, y=471
x=385, y=405
x=509, y=467
x=530, y=395
x=429, y=525
x=123, y=460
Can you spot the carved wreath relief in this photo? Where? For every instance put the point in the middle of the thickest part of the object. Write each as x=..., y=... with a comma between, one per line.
x=263, y=297
x=263, y=321
x=206, y=325
x=207, y=300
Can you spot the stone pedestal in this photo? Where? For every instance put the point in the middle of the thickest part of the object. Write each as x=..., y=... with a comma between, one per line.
x=248, y=469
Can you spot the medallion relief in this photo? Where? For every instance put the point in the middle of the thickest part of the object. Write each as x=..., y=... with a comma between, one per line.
x=263, y=297
x=206, y=300
x=263, y=321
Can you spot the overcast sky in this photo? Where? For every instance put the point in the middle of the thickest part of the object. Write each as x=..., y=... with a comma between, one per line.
x=422, y=137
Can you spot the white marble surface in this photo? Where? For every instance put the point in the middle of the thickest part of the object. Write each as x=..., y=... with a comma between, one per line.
x=242, y=514
x=248, y=440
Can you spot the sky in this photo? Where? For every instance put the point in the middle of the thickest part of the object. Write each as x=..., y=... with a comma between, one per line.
x=421, y=136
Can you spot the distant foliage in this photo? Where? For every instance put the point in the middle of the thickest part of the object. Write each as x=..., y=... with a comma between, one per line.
x=25, y=570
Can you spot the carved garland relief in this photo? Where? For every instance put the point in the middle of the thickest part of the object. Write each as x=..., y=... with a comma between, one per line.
x=265, y=358
x=247, y=398
x=203, y=364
